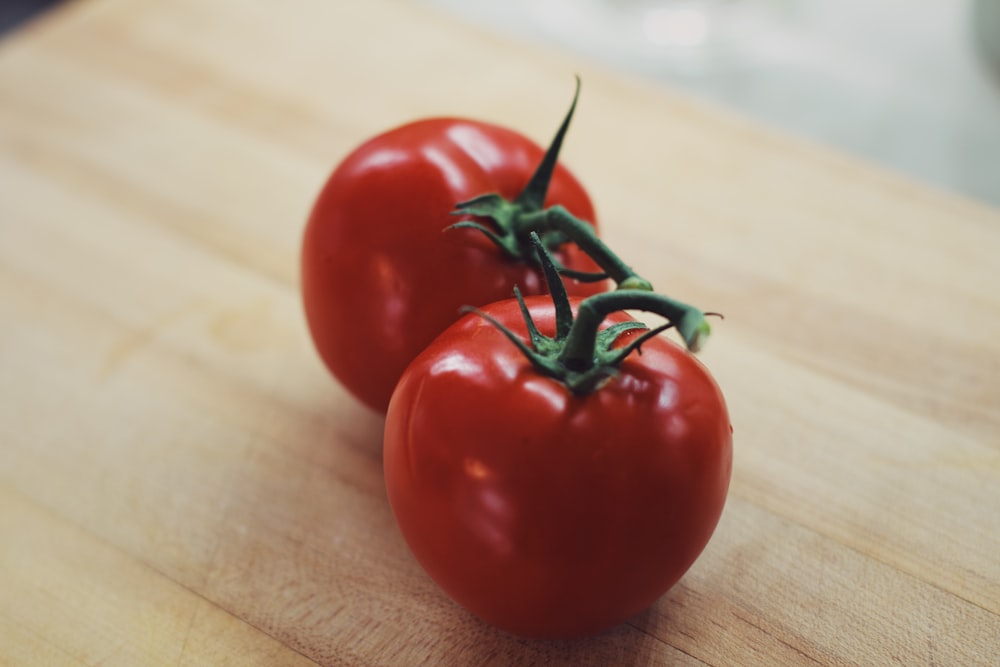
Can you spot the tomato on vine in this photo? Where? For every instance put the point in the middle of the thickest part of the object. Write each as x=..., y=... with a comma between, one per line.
x=384, y=267
x=551, y=479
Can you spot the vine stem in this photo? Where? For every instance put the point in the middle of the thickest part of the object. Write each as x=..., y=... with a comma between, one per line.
x=558, y=219
x=514, y=221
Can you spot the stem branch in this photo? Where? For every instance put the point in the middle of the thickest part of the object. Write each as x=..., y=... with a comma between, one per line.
x=580, y=351
x=558, y=219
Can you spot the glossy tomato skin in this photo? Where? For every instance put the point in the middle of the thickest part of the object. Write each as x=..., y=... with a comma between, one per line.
x=547, y=514
x=380, y=276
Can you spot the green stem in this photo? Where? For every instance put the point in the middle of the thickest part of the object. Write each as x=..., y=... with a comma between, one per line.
x=558, y=219
x=580, y=350
x=581, y=355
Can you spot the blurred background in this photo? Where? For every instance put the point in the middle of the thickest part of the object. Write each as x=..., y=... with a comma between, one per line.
x=914, y=86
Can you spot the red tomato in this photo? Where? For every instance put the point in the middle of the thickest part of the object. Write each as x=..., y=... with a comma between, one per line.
x=546, y=513
x=380, y=276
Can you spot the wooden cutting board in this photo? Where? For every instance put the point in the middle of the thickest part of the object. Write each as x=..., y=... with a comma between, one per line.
x=181, y=483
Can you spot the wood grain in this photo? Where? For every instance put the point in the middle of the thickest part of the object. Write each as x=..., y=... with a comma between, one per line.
x=181, y=482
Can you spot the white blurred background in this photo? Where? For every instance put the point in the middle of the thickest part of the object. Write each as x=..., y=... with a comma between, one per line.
x=911, y=84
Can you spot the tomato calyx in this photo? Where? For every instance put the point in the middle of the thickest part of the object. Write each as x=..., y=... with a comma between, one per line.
x=510, y=224
x=580, y=354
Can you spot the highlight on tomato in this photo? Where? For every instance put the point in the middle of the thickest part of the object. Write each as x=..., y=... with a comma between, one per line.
x=554, y=465
x=426, y=218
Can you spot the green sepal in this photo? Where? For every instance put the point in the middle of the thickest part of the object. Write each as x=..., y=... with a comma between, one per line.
x=542, y=363
x=532, y=198
x=636, y=345
x=614, y=332
x=560, y=298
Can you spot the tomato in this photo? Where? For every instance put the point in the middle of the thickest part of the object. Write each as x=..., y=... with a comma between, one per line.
x=549, y=512
x=382, y=274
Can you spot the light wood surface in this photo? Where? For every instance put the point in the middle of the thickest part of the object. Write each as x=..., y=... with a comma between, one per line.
x=182, y=484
